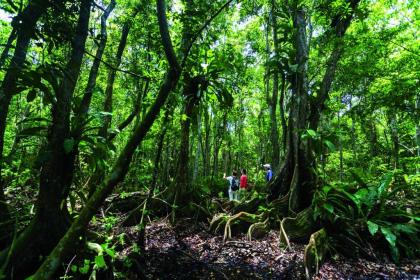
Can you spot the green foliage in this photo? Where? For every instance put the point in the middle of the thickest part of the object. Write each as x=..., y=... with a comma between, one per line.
x=354, y=209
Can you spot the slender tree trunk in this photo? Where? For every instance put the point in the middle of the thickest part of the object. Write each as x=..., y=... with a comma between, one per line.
x=190, y=93
x=274, y=98
x=103, y=131
x=282, y=115
x=82, y=110
x=159, y=148
x=393, y=126
x=373, y=137
x=417, y=121
x=198, y=150
x=206, y=149
x=51, y=219
x=66, y=244
x=296, y=177
x=25, y=29
x=340, y=144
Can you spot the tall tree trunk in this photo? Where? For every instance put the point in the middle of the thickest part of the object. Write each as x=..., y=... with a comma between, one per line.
x=25, y=30
x=198, y=150
x=295, y=173
x=393, y=126
x=191, y=98
x=103, y=131
x=373, y=136
x=159, y=147
x=51, y=219
x=82, y=110
x=417, y=120
x=296, y=177
x=282, y=115
x=206, y=149
x=66, y=244
x=272, y=101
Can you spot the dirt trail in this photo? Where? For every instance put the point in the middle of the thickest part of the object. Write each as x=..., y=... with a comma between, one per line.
x=188, y=251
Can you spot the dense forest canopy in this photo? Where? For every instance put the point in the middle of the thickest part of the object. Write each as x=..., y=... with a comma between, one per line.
x=126, y=111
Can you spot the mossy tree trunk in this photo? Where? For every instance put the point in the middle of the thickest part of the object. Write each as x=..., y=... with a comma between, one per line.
x=23, y=30
x=52, y=218
x=120, y=168
x=296, y=177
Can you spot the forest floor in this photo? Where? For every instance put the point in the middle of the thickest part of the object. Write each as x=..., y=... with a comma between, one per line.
x=189, y=251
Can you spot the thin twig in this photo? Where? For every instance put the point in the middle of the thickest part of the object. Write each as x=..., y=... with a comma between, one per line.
x=68, y=266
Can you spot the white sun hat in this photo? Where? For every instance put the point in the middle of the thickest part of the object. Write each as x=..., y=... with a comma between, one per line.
x=267, y=165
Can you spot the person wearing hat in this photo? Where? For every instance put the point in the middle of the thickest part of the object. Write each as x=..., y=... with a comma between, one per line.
x=269, y=173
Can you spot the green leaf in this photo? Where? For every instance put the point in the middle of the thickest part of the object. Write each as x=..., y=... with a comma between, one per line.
x=361, y=194
x=110, y=252
x=389, y=236
x=100, y=261
x=95, y=247
x=85, y=268
x=373, y=228
x=384, y=183
x=311, y=132
x=330, y=145
x=74, y=268
x=329, y=207
x=326, y=189
x=68, y=145
x=184, y=117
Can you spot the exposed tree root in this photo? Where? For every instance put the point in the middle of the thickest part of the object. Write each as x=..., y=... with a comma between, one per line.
x=226, y=220
x=258, y=229
x=315, y=252
x=298, y=228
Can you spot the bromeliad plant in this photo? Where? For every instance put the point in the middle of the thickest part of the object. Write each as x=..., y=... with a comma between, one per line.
x=349, y=213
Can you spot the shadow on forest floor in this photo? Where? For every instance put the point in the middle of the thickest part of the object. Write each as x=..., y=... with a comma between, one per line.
x=188, y=251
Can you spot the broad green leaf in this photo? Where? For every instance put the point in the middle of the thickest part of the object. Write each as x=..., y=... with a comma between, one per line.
x=389, y=235
x=100, y=261
x=361, y=194
x=329, y=207
x=384, y=183
x=330, y=145
x=95, y=247
x=373, y=228
x=110, y=252
x=311, y=132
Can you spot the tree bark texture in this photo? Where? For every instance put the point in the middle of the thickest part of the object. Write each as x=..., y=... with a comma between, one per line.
x=24, y=27
x=120, y=168
x=51, y=219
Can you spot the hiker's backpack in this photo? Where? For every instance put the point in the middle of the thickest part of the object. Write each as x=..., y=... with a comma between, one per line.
x=234, y=185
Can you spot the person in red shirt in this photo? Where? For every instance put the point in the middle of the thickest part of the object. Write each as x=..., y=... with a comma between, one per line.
x=243, y=183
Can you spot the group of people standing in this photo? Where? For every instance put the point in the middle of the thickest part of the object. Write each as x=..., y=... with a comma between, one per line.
x=237, y=187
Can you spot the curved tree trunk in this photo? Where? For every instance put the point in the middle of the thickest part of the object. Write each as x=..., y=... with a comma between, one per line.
x=274, y=98
x=191, y=99
x=297, y=177
x=120, y=169
x=24, y=31
x=51, y=219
